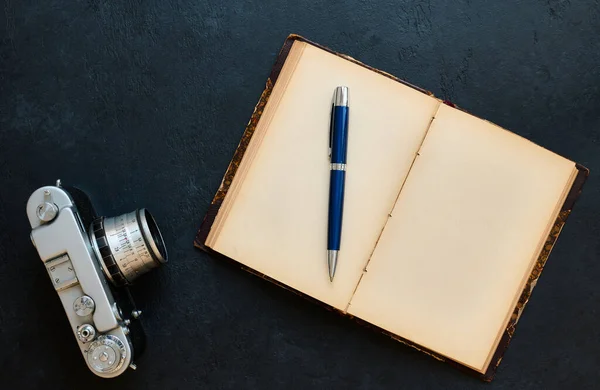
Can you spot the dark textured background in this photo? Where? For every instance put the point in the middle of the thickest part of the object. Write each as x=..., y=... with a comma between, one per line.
x=142, y=103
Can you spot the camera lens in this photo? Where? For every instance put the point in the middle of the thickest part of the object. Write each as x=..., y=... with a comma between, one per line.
x=128, y=246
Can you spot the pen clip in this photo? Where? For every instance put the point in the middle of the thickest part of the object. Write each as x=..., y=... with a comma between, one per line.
x=331, y=128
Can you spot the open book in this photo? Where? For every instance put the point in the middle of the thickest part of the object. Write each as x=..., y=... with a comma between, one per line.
x=448, y=219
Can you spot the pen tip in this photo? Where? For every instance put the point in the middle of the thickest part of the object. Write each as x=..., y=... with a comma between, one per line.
x=331, y=263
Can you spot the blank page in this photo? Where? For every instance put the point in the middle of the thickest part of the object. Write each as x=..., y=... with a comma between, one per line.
x=277, y=224
x=462, y=238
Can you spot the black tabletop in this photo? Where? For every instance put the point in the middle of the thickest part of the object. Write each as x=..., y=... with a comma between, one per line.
x=142, y=103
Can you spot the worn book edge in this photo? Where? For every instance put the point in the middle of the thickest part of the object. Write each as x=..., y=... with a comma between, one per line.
x=217, y=201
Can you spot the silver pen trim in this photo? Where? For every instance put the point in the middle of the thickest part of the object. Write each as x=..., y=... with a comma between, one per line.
x=340, y=96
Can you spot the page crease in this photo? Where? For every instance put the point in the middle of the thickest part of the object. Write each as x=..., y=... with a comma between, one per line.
x=393, y=205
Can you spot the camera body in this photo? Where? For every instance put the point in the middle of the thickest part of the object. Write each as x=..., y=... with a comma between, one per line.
x=90, y=261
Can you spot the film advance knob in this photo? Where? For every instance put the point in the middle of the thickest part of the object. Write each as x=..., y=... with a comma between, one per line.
x=106, y=354
x=84, y=306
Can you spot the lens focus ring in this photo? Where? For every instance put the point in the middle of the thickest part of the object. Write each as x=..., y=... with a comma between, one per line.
x=109, y=264
x=128, y=245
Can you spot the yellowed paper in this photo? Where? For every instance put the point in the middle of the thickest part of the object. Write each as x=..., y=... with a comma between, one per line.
x=277, y=224
x=462, y=237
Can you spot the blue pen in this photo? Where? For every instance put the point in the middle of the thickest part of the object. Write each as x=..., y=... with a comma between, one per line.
x=338, y=147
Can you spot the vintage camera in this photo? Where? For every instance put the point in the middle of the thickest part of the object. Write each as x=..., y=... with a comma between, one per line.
x=91, y=260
